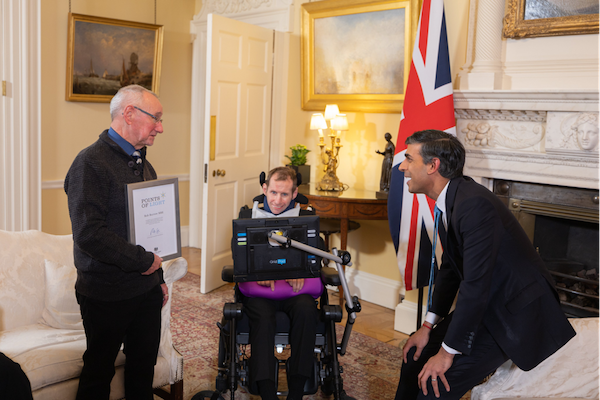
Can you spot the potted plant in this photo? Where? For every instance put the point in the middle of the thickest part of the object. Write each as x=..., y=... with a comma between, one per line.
x=298, y=161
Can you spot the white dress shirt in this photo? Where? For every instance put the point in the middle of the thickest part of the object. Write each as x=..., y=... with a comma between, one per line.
x=431, y=317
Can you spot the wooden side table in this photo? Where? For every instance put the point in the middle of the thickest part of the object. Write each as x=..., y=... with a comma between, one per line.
x=346, y=205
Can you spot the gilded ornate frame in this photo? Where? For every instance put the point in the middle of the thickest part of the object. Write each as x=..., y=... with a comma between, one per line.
x=516, y=27
x=155, y=47
x=384, y=103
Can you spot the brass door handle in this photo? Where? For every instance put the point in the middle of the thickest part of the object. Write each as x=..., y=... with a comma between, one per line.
x=219, y=172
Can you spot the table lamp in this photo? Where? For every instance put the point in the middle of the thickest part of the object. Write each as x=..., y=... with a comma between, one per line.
x=330, y=155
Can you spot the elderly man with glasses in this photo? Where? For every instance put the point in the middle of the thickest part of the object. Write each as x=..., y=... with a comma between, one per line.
x=120, y=286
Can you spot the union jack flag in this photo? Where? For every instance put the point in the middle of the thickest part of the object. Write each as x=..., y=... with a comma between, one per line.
x=428, y=104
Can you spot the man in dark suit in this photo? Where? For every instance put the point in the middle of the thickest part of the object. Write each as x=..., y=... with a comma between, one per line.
x=506, y=305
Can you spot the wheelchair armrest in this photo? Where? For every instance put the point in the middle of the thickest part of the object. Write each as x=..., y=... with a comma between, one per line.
x=330, y=276
x=227, y=273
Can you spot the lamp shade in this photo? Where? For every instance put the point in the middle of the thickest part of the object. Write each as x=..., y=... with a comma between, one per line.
x=331, y=110
x=340, y=123
x=317, y=121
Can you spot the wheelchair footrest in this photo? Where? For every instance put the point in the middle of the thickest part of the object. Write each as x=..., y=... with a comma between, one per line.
x=312, y=383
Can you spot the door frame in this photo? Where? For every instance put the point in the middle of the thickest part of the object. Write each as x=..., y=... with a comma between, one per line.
x=20, y=115
x=277, y=16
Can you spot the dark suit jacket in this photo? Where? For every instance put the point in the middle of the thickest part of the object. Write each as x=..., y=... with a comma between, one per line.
x=501, y=281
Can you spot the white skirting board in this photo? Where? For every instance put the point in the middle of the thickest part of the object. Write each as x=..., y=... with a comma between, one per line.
x=384, y=292
x=373, y=288
x=405, y=320
x=185, y=236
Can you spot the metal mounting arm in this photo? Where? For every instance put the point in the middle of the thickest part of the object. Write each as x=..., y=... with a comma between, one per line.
x=340, y=258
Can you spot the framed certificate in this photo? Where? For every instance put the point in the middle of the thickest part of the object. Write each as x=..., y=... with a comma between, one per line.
x=153, y=216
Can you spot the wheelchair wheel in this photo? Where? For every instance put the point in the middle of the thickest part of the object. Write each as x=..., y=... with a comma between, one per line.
x=221, y=380
x=223, y=349
x=327, y=387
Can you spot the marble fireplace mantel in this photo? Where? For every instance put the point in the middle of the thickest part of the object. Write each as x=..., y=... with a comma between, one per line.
x=529, y=136
x=555, y=100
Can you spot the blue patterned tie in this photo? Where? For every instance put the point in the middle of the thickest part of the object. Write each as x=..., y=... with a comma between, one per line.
x=436, y=222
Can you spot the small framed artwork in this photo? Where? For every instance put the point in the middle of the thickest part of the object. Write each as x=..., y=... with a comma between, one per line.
x=536, y=18
x=153, y=216
x=356, y=53
x=105, y=54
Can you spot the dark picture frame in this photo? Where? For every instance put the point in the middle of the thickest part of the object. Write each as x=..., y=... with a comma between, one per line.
x=106, y=54
x=153, y=219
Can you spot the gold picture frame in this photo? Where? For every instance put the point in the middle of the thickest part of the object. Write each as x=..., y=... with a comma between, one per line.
x=98, y=50
x=344, y=59
x=517, y=27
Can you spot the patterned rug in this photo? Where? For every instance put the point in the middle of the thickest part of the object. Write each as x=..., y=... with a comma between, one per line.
x=371, y=367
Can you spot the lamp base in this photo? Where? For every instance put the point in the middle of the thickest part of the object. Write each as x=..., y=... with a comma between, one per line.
x=330, y=183
x=381, y=194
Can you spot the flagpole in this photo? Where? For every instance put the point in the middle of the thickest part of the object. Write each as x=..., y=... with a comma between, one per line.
x=420, y=308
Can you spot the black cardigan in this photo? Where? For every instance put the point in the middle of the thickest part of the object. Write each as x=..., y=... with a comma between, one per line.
x=108, y=267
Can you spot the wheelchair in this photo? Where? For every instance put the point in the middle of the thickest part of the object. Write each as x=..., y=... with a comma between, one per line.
x=233, y=361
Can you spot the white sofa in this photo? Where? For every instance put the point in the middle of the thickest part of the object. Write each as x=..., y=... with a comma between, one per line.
x=570, y=373
x=40, y=323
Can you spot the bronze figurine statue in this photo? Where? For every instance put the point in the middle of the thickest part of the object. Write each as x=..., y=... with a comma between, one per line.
x=386, y=165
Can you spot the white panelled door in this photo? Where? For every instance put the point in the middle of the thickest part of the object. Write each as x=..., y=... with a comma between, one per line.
x=237, y=129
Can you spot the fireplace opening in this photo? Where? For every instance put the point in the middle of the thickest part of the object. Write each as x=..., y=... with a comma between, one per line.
x=562, y=224
x=570, y=250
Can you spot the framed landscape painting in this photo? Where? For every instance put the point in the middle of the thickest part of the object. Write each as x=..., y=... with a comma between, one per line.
x=104, y=55
x=356, y=53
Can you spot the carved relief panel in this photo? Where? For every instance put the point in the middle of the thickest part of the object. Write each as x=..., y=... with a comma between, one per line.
x=573, y=133
x=501, y=130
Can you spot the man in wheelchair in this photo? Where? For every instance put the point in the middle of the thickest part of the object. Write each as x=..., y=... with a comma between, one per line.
x=295, y=297
x=311, y=333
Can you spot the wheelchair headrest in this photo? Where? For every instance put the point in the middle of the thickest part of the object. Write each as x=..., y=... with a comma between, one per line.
x=302, y=199
x=263, y=178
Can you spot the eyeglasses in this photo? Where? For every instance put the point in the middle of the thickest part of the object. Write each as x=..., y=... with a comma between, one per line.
x=154, y=117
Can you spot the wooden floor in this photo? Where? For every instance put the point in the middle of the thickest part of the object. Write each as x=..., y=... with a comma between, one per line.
x=374, y=321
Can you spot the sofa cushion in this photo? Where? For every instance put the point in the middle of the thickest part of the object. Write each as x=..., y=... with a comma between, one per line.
x=47, y=355
x=570, y=372
x=22, y=273
x=61, y=310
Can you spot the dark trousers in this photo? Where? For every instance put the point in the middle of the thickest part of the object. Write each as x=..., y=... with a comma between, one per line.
x=14, y=384
x=304, y=316
x=463, y=375
x=134, y=322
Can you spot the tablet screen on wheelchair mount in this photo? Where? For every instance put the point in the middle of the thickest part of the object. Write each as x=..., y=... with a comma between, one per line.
x=256, y=258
